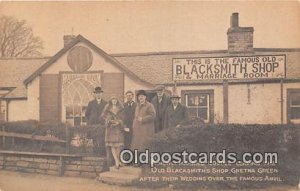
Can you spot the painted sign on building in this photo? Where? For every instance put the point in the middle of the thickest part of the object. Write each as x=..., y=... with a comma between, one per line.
x=230, y=67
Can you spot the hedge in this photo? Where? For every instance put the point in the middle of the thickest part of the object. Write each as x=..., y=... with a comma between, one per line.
x=56, y=129
x=283, y=139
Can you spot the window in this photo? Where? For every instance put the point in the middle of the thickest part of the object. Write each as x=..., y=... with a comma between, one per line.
x=77, y=91
x=294, y=105
x=199, y=104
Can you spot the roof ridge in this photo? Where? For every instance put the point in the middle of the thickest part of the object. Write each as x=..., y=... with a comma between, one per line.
x=198, y=52
x=77, y=39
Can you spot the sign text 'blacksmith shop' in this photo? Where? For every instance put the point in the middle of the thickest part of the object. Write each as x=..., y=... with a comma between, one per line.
x=239, y=67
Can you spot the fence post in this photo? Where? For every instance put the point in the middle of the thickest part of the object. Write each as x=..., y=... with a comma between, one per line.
x=3, y=138
x=67, y=139
x=61, y=166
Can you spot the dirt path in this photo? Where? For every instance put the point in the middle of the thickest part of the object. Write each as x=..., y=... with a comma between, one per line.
x=16, y=181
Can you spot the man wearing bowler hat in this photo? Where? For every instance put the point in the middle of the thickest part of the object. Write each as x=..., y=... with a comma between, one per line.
x=93, y=117
x=176, y=114
x=160, y=102
x=95, y=108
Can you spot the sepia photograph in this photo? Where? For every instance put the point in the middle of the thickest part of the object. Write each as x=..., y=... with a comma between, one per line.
x=150, y=95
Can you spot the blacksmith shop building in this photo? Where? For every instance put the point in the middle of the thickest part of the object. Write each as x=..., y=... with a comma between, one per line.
x=241, y=84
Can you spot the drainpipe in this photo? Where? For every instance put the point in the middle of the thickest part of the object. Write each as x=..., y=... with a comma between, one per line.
x=281, y=101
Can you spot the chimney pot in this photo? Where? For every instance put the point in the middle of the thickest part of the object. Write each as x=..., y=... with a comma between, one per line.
x=234, y=20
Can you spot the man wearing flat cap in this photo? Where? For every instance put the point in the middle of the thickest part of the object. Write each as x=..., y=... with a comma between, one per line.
x=160, y=102
x=176, y=114
x=95, y=108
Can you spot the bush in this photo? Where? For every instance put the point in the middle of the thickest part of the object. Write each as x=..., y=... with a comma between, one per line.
x=232, y=137
x=283, y=139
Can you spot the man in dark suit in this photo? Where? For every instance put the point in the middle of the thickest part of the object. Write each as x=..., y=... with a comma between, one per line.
x=160, y=102
x=129, y=110
x=176, y=114
x=93, y=116
x=95, y=108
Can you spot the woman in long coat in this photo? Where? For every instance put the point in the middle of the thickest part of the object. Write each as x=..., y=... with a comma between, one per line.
x=143, y=124
x=113, y=114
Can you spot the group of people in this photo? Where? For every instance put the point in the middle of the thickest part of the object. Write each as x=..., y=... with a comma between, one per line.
x=129, y=124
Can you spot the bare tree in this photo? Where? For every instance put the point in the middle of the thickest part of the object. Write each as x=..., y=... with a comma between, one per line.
x=17, y=39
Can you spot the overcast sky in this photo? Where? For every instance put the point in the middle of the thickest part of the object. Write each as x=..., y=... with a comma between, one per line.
x=130, y=27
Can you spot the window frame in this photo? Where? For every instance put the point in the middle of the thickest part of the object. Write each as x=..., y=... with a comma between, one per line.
x=210, y=107
x=289, y=106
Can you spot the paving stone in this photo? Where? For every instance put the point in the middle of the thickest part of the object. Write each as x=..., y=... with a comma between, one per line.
x=127, y=170
x=117, y=178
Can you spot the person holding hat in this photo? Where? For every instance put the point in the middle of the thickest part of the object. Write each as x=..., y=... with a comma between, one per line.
x=160, y=102
x=95, y=108
x=176, y=113
x=143, y=123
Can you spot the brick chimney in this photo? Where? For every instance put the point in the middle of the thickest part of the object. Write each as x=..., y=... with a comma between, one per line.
x=68, y=39
x=240, y=39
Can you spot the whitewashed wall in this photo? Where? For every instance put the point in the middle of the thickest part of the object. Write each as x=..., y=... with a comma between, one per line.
x=254, y=103
x=61, y=65
x=17, y=110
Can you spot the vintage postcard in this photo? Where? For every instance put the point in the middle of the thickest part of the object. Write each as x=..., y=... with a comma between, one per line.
x=149, y=95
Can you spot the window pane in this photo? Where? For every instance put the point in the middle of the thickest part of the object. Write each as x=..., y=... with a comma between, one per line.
x=192, y=112
x=202, y=113
x=77, y=121
x=69, y=112
x=197, y=100
x=295, y=113
x=295, y=99
x=198, y=112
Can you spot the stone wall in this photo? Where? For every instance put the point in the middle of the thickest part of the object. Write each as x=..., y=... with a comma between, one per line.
x=52, y=164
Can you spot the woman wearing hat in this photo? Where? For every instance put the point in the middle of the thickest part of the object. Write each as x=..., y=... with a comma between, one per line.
x=143, y=124
x=113, y=114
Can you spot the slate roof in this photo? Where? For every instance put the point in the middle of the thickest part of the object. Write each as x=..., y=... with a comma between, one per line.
x=13, y=72
x=157, y=67
x=149, y=68
x=75, y=41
